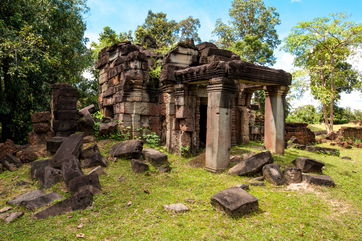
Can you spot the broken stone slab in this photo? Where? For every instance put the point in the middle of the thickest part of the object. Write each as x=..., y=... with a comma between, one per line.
x=127, y=149
x=70, y=147
x=107, y=128
x=243, y=186
x=256, y=183
x=50, y=177
x=89, y=139
x=346, y=158
x=92, y=157
x=10, y=217
x=273, y=174
x=98, y=170
x=139, y=166
x=321, y=180
x=78, y=201
x=325, y=150
x=7, y=165
x=86, y=182
x=308, y=164
x=155, y=157
x=12, y=159
x=88, y=109
x=40, y=201
x=235, y=201
x=71, y=169
x=37, y=168
x=26, y=197
x=252, y=165
x=26, y=156
x=5, y=209
x=292, y=175
x=54, y=143
x=164, y=169
x=176, y=207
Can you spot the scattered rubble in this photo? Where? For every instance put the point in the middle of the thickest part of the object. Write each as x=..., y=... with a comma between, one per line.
x=308, y=164
x=273, y=174
x=127, y=149
x=252, y=165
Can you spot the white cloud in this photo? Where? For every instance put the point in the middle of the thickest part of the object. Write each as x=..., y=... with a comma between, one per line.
x=93, y=37
x=284, y=61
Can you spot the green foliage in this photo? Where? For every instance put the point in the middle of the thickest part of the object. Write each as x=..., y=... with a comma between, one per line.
x=149, y=137
x=321, y=47
x=41, y=42
x=251, y=32
x=306, y=114
x=185, y=151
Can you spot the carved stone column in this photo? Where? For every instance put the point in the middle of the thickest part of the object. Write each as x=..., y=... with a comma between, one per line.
x=218, y=138
x=275, y=119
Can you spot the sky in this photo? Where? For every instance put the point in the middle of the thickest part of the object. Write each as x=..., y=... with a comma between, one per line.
x=124, y=15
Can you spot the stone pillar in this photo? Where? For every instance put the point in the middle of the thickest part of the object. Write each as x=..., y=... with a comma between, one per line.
x=218, y=137
x=169, y=105
x=274, y=119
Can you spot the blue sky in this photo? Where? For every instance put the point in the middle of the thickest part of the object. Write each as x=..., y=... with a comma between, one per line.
x=124, y=15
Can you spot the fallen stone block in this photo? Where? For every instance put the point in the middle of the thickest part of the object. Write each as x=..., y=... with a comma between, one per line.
x=78, y=201
x=82, y=183
x=165, y=168
x=92, y=157
x=8, y=166
x=98, y=170
x=41, y=201
x=273, y=174
x=176, y=207
x=70, y=147
x=26, y=197
x=50, y=177
x=37, y=168
x=252, y=165
x=325, y=150
x=292, y=175
x=71, y=169
x=8, y=147
x=139, y=166
x=13, y=160
x=107, y=128
x=308, y=164
x=5, y=209
x=10, y=217
x=54, y=143
x=88, y=109
x=243, y=186
x=26, y=156
x=321, y=180
x=235, y=202
x=155, y=157
x=127, y=149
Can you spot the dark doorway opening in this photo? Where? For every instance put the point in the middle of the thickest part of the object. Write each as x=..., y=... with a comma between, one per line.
x=108, y=112
x=203, y=122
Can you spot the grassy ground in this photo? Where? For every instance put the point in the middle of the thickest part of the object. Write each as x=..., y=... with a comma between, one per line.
x=321, y=127
x=318, y=213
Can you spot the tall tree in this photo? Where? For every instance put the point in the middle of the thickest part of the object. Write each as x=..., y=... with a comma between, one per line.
x=41, y=42
x=251, y=32
x=321, y=47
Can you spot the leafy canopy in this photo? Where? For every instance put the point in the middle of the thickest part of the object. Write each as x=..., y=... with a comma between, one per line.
x=251, y=32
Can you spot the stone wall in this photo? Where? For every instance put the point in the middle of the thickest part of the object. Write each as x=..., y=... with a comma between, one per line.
x=127, y=91
x=64, y=113
x=350, y=132
x=41, y=128
x=300, y=131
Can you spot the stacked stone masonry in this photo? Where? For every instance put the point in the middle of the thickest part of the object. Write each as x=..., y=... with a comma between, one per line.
x=351, y=132
x=201, y=98
x=64, y=111
x=301, y=132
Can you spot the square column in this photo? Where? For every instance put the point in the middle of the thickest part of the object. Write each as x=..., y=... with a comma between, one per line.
x=274, y=119
x=218, y=136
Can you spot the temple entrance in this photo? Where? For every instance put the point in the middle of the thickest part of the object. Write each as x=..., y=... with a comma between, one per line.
x=203, y=121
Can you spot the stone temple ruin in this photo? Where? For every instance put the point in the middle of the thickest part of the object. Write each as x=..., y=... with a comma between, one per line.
x=201, y=98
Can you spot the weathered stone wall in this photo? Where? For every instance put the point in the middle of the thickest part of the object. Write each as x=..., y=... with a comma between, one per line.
x=127, y=92
x=300, y=131
x=350, y=132
x=41, y=128
x=64, y=113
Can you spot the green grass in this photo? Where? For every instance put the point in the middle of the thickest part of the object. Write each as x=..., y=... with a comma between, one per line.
x=320, y=214
x=321, y=127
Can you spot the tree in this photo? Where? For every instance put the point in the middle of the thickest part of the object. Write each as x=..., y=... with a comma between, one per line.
x=41, y=42
x=306, y=114
x=187, y=28
x=321, y=47
x=251, y=32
